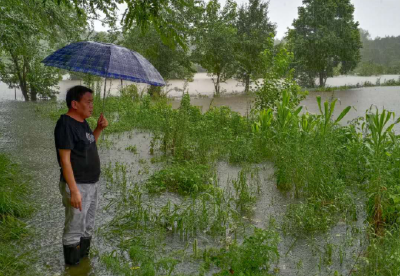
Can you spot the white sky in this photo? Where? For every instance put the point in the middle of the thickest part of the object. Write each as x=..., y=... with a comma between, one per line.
x=379, y=17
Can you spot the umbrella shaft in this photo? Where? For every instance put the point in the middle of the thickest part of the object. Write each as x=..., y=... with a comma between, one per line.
x=104, y=95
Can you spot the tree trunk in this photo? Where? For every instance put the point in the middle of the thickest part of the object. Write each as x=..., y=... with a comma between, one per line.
x=321, y=79
x=247, y=83
x=21, y=78
x=216, y=84
x=24, y=90
x=33, y=94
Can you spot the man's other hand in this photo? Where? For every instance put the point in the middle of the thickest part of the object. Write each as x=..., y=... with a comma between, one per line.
x=102, y=122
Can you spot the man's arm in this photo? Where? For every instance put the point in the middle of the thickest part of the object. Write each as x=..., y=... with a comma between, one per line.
x=102, y=123
x=65, y=159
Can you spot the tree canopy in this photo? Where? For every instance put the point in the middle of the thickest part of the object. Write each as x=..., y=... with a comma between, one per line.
x=214, y=41
x=253, y=31
x=324, y=36
x=170, y=18
x=171, y=62
x=29, y=30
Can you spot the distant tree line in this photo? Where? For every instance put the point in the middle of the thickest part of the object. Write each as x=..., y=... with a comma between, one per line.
x=379, y=56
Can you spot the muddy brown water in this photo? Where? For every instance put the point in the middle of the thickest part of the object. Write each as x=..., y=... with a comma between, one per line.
x=28, y=138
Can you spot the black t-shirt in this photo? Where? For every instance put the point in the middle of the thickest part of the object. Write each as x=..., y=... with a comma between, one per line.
x=78, y=137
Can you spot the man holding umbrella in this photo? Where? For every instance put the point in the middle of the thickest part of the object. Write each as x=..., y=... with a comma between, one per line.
x=76, y=143
x=80, y=171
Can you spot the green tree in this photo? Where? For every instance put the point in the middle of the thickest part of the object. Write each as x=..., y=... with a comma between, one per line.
x=29, y=30
x=277, y=79
x=168, y=17
x=253, y=29
x=324, y=36
x=171, y=62
x=214, y=41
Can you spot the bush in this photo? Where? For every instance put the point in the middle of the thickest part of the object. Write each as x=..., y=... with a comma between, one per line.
x=253, y=257
x=183, y=178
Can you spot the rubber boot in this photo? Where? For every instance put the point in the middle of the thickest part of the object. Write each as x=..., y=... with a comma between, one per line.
x=72, y=254
x=85, y=246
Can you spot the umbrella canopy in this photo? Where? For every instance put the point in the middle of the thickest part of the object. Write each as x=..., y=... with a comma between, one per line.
x=106, y=60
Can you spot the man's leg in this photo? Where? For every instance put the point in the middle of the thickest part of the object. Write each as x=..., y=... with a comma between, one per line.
x=90, y=220
x=74, y=223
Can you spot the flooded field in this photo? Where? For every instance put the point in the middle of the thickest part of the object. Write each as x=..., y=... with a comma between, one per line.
x=129, y=161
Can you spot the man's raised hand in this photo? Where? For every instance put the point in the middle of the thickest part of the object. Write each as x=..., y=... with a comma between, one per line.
x=102, y=122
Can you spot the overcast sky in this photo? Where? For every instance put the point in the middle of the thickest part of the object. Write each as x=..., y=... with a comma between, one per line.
x=379, y=17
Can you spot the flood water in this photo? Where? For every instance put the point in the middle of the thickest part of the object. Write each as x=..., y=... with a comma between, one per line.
x=35, y=152
x=202, y=85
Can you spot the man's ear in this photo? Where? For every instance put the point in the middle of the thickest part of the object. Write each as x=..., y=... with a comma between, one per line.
x=74, y=105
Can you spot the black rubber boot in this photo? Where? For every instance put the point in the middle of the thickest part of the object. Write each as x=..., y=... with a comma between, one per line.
x=72, y=254
x=85, y=246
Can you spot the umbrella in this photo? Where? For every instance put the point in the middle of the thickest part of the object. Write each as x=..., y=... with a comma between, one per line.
x=106, y=60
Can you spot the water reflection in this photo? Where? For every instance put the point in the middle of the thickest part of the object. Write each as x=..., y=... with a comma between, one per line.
x=83, y=269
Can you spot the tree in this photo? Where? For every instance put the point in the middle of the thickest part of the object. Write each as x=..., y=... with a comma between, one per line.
x=277, y=78
x=324, y=36
x=253, y=30
x=29, y=30
x=168, y=17
x=214, y=40
x=172, y=63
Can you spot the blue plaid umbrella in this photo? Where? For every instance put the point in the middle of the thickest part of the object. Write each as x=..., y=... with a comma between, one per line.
x=106, y=60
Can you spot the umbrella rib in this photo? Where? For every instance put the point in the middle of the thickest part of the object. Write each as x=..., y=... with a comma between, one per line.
x=109, y=60
x=138, y=61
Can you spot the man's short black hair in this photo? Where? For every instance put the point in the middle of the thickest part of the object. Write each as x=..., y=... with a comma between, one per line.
x=75, y=93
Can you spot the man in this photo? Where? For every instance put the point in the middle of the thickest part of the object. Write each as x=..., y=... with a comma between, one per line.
x=80, y=171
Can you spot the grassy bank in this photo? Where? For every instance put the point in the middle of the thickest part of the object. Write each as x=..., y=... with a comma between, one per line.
x=358, y=85
x=14, y=188
x=324, y=166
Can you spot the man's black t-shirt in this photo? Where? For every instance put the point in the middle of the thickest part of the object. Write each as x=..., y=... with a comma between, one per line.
x=78, y=137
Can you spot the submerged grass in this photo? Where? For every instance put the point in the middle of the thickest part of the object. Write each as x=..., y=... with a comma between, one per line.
x=14, y=189
x=318, y=161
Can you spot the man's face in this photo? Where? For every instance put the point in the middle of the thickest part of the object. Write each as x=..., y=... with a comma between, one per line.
x=85, y=106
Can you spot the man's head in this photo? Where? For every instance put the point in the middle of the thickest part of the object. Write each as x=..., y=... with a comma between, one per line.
x=80, y=100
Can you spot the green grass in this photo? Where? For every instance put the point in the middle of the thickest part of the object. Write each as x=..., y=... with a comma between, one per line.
x=389, y=82
x=254, y=256
x=14, y=205
x=184, y=178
